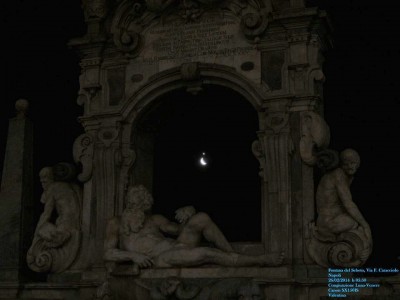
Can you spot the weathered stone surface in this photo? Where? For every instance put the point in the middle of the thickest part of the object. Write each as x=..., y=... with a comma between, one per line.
x=315, y=136
x=134, y=53
x=272, y=63
x=139, y=237
x=268, y=55
x=341, y=236
x=16, y=196
x=56, y=243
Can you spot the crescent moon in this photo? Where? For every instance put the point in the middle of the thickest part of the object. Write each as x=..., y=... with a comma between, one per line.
x=203, y=162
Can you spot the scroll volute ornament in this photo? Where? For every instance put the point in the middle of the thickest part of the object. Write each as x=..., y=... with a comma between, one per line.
x=340, y=237
x=126, y=26
x=315, y=135
x=83, y=153
x=254, y=24
x=254, y=19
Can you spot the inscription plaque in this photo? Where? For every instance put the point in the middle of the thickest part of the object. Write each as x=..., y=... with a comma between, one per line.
x=214, y=39
x=210, y=37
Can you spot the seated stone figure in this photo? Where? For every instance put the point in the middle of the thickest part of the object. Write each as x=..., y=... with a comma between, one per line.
x=138, y=236
x=337, y=212
x=341, y=237
x=56, y=241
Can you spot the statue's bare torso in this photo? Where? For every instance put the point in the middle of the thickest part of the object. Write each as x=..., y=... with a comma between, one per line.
x=149, y=240
x=333, y=190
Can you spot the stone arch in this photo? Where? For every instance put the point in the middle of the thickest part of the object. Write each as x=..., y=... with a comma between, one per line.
x=170, y=81
x=206, y=74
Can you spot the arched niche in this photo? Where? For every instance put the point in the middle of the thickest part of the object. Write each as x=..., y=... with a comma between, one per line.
x=170, y=137
x=140, y=139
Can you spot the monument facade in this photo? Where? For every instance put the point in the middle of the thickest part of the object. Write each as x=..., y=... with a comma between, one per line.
x=135, y=52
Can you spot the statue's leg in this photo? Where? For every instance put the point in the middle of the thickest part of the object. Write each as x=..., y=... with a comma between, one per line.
x=202, y=225
x=343, y=223
x=188, y=257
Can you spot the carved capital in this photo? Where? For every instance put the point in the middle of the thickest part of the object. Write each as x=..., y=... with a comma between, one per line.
x=108, y=135
x=276, y=121
x=94, y=9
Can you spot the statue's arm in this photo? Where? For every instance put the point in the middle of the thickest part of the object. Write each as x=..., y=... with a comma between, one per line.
x=113, y=254
x=166, y=225
x=46, y=214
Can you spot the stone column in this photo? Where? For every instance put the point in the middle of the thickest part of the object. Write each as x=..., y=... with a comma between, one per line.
x=16, y=199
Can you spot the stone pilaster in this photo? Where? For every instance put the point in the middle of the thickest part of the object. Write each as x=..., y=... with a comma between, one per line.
x=16, y=200
x=278, y=146
x=106, y=161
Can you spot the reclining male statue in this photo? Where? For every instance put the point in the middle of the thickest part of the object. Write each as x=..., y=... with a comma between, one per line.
x=138, y=236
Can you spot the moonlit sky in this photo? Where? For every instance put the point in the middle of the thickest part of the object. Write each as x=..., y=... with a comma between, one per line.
x=361, y=95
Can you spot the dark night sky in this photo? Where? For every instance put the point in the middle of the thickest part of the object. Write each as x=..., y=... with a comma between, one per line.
x=361, y=94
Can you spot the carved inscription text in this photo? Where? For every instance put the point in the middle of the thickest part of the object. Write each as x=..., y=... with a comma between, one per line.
x=211, y=37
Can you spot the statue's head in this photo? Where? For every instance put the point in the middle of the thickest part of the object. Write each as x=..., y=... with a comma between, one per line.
x=138, y=197
x=46, y=177
x=183, y=214
x=350, y=161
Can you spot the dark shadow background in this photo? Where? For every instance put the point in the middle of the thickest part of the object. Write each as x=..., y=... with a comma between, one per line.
x=361, y=96
x=222, y=124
